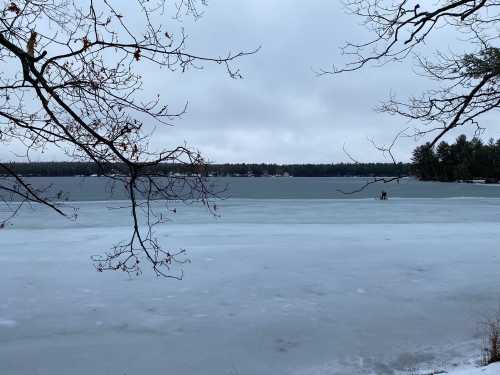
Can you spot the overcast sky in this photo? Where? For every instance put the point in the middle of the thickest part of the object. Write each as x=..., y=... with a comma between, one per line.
x=281, y=111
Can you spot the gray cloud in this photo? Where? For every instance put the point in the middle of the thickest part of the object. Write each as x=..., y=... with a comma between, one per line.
x=281, y=112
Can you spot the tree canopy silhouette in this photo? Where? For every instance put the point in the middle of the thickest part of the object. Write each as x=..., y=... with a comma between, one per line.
x=71, y=78
x=467, y=86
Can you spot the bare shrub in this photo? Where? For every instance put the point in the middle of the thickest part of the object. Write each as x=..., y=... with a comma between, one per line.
x=491, y=347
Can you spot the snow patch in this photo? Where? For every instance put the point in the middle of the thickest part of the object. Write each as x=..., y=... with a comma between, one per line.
x=493, y=369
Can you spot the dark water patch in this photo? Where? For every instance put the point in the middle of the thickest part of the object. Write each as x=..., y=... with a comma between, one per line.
x=100, y=189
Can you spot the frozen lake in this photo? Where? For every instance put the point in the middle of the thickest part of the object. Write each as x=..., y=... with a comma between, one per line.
x=300, y=287
x=99, y=189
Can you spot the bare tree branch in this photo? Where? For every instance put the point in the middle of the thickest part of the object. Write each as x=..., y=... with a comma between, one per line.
x=71, y=79
x=468, y=82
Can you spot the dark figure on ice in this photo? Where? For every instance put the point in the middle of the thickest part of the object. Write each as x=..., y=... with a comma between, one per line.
x=383, y=195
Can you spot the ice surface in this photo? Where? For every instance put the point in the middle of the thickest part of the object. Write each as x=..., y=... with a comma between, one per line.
x=299, y=287
x=9, y=323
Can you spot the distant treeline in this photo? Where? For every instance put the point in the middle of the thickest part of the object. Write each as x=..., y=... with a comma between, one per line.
x=462, y=160
x=257, y=170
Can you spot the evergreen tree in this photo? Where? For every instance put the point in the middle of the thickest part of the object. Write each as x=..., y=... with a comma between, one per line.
x=463, y=160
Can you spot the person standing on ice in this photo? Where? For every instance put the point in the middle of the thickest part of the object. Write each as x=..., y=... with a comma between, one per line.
x=383, y=195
